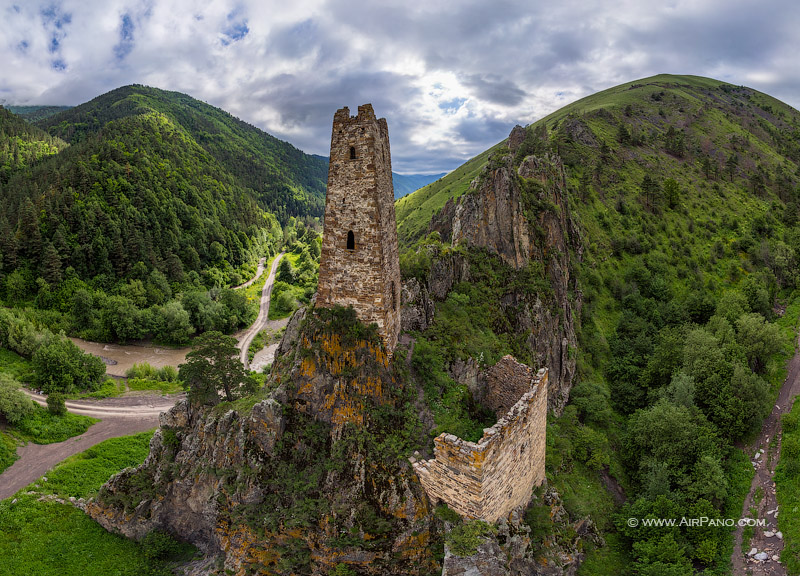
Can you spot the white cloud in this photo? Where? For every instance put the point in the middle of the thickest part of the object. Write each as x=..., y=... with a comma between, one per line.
x=452, y=77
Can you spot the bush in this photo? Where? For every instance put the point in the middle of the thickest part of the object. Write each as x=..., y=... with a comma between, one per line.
x=14, y=404
x=142, y=370
x=172, y=324
x=145, y=371
x=465, y=538
x=168, y=374
x=159, y=545
x=41, y=427
x=60, y=366
x=56, y=405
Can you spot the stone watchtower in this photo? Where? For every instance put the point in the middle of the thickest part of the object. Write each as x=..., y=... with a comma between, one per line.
x=359, y=265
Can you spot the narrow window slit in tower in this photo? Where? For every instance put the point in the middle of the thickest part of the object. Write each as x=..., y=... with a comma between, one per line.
x=352, y=153
x=351, y=240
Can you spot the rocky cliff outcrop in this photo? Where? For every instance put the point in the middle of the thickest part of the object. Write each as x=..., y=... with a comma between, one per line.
x=512, y=551
x=520, y=213
x=301, y=481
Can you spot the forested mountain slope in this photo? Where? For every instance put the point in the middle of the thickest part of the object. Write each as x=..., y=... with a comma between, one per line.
x=684, y=196
x=285, y=181
x=21, y=144
x=153, y=199
x=140, y=190
x=34, y=113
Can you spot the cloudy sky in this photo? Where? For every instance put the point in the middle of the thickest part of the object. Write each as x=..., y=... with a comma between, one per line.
x=451, y=77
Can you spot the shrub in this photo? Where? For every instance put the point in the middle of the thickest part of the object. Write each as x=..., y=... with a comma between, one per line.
x=159, y=545
x=56, y=405
x=465, y=538
x=60, y=366
x=14, y=404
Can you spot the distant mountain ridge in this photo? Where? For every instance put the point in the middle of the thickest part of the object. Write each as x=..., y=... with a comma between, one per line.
x=405, y=184
x=34, y=113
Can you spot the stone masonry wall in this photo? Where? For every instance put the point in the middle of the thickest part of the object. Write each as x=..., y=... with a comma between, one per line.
x=505, y=383
x=360, y=200
x=490, y=478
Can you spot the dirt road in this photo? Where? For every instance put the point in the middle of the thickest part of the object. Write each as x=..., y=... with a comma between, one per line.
x=764, y=452
x=129, y=406
x=259, y=272
x=123, y=415
x=246, y=337
x=120, y=417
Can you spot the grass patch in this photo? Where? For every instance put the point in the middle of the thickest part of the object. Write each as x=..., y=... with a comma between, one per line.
x=451, y=403
x=139, y=384
x=41, y=427
x=253, y=292
x=787, y=483
x=82, y=474
x=143, y=376
x=610, y=560
x=739, y=473
x=464, y=539
x=15, y=366
x=8, y=451
x=110, y=388
x=48, y=538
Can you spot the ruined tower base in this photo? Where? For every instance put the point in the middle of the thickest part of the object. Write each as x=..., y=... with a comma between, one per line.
x=490, y=478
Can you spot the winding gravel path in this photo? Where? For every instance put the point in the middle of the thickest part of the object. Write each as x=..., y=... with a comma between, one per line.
x=770, y=442
x=246, y=337
x=259, y=272
x=120, y=417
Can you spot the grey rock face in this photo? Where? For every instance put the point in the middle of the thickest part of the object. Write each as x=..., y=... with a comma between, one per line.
x=417, y=308
x=183, y=469
x=522, y=216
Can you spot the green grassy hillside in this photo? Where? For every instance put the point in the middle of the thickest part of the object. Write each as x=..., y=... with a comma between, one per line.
x=415, y=211
x=685, y=192
x=43, y=534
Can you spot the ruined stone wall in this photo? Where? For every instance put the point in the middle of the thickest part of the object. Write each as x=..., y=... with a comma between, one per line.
x=490, y=478
x=359, y=264
x=505, y=383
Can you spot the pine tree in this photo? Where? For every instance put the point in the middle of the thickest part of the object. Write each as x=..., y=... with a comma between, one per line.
x=50, y=265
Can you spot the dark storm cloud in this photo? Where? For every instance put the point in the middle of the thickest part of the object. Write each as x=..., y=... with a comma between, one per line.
x=451, y=78
x=494, y=89
x=484, y=131
x=296, y=40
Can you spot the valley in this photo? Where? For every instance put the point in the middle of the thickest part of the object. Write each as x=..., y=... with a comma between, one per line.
x=641, y=244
